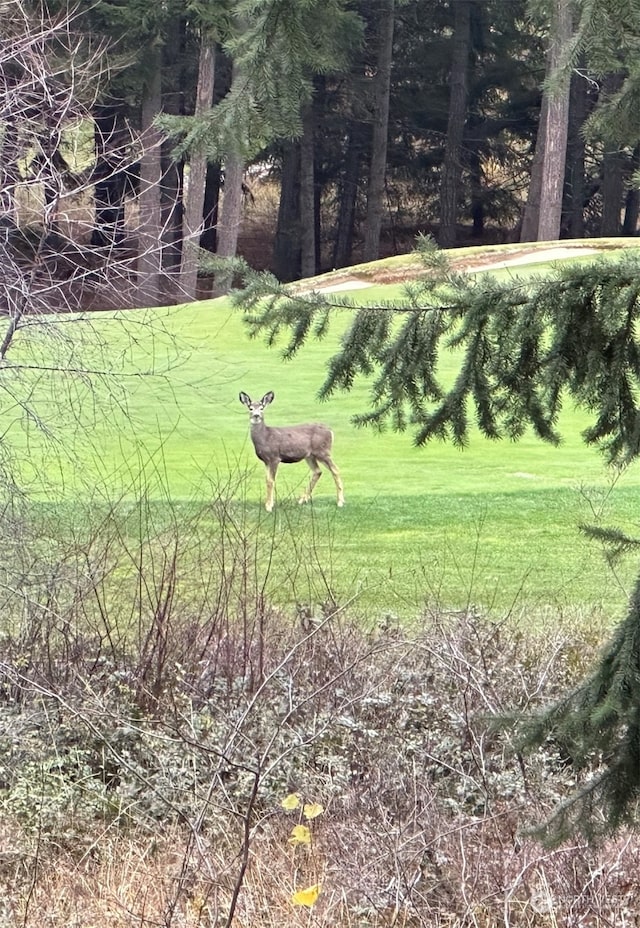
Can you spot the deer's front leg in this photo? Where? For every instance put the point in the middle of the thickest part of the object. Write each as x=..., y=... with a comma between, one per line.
x=271, y=480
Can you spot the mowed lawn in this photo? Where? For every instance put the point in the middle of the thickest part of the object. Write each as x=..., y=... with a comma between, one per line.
x=494, y=526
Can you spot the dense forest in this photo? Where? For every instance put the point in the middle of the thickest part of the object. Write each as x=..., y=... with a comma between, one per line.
x=137, y=137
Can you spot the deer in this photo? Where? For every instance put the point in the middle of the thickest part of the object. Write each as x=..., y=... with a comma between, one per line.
x=288, y=445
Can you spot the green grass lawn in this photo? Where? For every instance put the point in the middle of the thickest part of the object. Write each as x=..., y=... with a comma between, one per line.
x=495, y=525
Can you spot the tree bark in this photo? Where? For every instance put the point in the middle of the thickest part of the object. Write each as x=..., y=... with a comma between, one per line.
x=286, y=248
x=307, y=196
x=109, y=182
x=194, y=201
x=150, y=233
x=612, y=193
x=172, y=193
x=231, y=209
x=378, y=165
x=209, y=237
x=552, y=133
x=343, y=248
x=172, y=211
x=632, y=200
x=575, y=194
x=452, y=165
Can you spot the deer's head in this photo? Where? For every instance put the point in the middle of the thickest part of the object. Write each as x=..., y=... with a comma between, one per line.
x=257, y=408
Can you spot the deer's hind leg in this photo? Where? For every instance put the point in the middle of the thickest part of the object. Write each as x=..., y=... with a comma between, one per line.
x=335, y=473
x=316, y=473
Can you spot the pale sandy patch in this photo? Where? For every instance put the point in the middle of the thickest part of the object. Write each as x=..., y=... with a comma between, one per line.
x=529, y=257
x=545, y=254
x=345, y=285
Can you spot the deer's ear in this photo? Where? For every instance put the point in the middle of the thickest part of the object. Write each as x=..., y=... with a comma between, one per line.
x=246, y=400
x=268, y=398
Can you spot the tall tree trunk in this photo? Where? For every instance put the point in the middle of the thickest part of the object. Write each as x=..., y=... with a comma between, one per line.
x=553, y=131
x=574, y=183
x=231, y=208
x=172, y=187
x=343, y=248
x=613, y=164
x=174, y=76
x=531, y=214
x=612, y=193
x=632, y=202
x=109, y=182
x=150, y=234
x=286, y=247
x=172, y=212
x=378, y=165
x=194, y=201
x=209, y=237
x=307, y=196
x=452, y=165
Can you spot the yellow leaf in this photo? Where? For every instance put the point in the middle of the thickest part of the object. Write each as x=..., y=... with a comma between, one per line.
x=312, y=810
x=292, y=801
x=307, y=896
x=300, y=834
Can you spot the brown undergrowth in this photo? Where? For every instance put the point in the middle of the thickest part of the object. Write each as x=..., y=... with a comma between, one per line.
x=155, y=712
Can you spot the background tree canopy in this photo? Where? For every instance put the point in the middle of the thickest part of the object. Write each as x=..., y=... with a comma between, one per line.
x=365, y=122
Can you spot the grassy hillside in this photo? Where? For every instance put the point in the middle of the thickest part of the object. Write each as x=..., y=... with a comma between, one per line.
x=495, y=525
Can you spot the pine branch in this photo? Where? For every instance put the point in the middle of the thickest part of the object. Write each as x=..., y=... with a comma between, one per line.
x=616, y=542
x=523, y=347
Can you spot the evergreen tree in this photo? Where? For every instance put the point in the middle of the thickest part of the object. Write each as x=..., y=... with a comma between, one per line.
x=600, y=49
x=278, y=47
x=140, y=69
x=496, y=104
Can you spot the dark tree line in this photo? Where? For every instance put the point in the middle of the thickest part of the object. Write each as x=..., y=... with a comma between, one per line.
x=473, y=121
